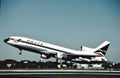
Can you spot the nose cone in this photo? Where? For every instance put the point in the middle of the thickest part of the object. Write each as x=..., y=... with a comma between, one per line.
x=5, y=40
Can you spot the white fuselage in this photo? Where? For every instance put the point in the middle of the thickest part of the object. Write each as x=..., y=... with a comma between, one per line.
x=43, y=47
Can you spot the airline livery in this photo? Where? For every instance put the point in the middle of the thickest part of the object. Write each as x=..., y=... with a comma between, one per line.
x=47, y=50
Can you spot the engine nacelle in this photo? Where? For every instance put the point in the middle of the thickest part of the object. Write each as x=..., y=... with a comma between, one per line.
x=86, y=49
x=45, y=56
x=61, y=55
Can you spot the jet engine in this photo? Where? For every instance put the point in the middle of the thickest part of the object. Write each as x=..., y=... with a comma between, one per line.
x=45, y=56
x=86, y=49
x=61, y=55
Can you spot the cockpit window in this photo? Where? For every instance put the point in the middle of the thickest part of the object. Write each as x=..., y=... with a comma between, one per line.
x=16, y=40
x=11, y=38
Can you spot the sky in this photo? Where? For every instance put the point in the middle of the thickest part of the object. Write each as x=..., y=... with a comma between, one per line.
x=67, y=23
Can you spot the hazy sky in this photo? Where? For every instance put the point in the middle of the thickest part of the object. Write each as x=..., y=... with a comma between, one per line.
x=68, y=23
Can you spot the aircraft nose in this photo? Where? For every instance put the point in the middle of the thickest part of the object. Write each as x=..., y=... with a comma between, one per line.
x=5, y=40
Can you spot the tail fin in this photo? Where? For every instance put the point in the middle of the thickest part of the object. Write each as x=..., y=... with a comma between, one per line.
x=101, y=48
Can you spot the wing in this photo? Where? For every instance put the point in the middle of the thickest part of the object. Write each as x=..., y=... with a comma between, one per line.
x=49, y=53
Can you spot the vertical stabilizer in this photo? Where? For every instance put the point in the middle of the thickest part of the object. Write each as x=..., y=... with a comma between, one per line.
x=101, y=48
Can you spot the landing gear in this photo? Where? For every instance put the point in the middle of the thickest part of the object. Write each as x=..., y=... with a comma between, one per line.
x=20, y=53
x=61, y=60
x=59, y=63
x=56, y=60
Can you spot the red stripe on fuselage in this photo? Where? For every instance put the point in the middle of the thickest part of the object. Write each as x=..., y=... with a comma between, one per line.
x=99, y=54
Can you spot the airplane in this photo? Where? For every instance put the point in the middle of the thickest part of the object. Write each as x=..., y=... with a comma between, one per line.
x=47, y=50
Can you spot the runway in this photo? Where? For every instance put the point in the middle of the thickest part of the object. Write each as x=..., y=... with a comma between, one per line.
x=61, y=72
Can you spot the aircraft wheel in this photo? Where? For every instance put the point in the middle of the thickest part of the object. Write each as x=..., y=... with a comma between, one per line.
x=20, y=53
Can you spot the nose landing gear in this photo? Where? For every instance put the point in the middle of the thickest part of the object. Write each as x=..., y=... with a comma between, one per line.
x=20, y=53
